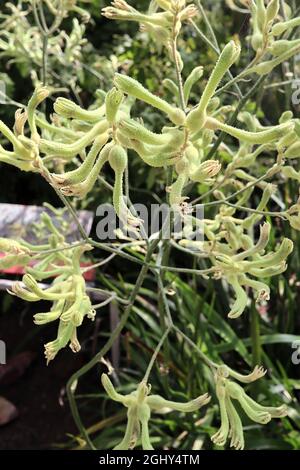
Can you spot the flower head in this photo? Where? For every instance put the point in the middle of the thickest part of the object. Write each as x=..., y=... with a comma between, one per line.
x=229, y=392
x=140, y=404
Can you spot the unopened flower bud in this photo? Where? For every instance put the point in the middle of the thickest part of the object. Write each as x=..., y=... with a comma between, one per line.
x=112, y=103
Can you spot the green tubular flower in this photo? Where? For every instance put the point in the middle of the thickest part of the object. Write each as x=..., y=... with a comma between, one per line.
x=272, y=11
x=58, y=131
x=71, y=110
x=143, y=415
x=241, y=298
x=71, y=150
x=171, y=87
x=265, y=68
x=236, y=432
x=13, y=159
x=287, y=141
x=17, y=145
x=118, y=161
x=197, y=117
x=257, y=36
x=159, y=161
x=20, y=121
x=140, y=403
x=176, y=190
x=133, y=130
x=54, y=313
x=262, y=137
x=233, y=234
x=281, y=46
x=293, y=151
x=132, y=87
x=18, y=290
x=39, y=95
x=262, y=290
x=32, y=285
x=290, y=172
x=280, y=28
x=155, y=159
x=157, y=403
x=191, y=80
x=64, y=336
x=70, y=304
x=261, y=244
x=268, y=191
x=113, y=102
x=82, y=189
x=47, y=221
x=227, y=392
x=269, y=271
x=261, y=14
x=122, y=11
x=274, y=412
x=257, y=373
x=274, y=258
x=81, y=173
x=221, y=435
x=236, y=392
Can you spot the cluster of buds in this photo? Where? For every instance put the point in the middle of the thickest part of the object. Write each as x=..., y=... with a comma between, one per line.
x=140, y=404
x=242, y=263
x=262, y=20
x=271, y=37
x=161, y=25
x=67, y=292
x=25, y=154
x=240, y=269
x=228, y=392
x=65, y=7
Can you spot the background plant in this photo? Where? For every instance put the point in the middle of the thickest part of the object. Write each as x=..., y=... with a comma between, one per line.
x=236, y=202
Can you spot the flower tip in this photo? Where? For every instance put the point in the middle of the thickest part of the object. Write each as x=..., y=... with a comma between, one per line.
x=259, y=372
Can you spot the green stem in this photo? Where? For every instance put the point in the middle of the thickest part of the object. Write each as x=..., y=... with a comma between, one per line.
x=97, y=358
x=255, y=336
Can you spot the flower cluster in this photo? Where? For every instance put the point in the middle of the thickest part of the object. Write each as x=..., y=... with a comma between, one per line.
x=228, y=393
x=140, y=404
x=58, y=263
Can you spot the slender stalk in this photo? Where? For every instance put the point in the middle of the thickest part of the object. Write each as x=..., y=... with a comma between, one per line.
x=155, y=354
x=96, y=359
x=255, y=336
x=203, y=356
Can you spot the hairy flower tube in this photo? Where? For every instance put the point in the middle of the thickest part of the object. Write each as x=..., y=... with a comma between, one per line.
x=140, y=404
